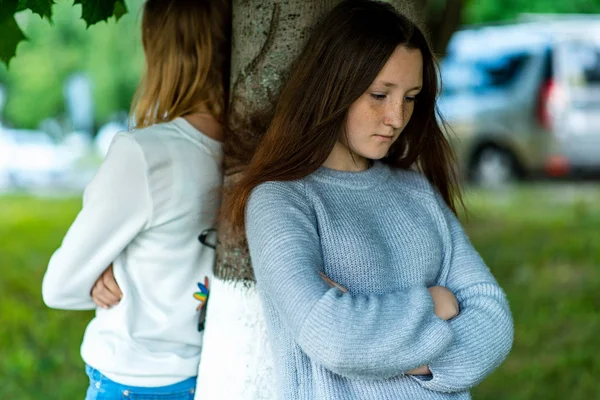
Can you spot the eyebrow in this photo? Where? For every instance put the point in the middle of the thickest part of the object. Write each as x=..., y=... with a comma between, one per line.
x=393, y=85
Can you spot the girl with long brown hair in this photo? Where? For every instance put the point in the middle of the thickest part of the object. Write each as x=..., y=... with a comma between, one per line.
x=157, y=188
x=370, y=287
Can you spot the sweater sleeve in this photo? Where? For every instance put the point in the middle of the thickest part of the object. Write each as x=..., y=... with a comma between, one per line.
x=484, y=327
x=353, y=335
x=116, y=207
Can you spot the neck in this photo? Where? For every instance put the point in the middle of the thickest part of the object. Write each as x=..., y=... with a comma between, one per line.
x=342, y=158
x=207, y=124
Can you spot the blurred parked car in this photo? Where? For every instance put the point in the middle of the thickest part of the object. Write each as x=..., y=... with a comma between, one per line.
x=523, y=99
x=30, y=159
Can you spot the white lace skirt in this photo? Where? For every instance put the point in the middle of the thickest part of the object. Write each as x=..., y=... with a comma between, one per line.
x=236, y=361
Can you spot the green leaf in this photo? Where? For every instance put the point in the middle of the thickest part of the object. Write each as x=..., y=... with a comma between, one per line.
x=7, y=9
x=11, y=35
x=94, y=11
x=41, y=7
x=120, y=9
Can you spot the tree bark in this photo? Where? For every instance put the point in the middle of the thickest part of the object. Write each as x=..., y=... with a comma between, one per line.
x=267, y=35
x=442, y=19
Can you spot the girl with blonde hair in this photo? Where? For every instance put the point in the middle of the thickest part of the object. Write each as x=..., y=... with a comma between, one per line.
x=132, y=252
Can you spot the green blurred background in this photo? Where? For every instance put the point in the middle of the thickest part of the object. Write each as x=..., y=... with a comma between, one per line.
x=539, y=240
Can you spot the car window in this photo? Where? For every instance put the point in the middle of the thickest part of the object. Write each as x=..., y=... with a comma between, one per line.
x=582, y=63
x=482, y=74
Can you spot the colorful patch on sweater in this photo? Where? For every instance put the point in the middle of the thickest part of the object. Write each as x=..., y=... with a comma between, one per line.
x=202, y=296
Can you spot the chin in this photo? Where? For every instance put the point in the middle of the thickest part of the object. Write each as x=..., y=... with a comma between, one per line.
x=375, y=155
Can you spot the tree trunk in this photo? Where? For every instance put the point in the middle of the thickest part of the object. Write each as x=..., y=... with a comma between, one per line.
x=267, y=35
x=442, y=20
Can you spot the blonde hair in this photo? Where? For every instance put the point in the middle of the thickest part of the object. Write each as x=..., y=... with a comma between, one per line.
x=185, y=44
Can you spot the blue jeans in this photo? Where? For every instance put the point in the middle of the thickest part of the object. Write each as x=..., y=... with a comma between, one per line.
x=102, y=388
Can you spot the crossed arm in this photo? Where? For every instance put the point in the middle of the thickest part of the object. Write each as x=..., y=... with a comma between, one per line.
x=116, y=207
x=445, y=307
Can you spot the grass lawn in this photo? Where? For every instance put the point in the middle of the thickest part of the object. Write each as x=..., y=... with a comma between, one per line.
x=541, y=243
x=39, y=348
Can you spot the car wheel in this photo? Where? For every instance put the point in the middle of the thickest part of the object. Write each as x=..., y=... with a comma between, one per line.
x=494, y=167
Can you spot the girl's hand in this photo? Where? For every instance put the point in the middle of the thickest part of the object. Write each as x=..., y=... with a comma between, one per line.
x=446, y=305
x=446, y=308
x=106, y=292
x=424, y=370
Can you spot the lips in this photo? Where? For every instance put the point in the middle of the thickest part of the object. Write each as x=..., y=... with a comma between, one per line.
x=384, y=137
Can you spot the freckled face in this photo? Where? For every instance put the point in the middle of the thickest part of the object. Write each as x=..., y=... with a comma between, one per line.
x=376, y=119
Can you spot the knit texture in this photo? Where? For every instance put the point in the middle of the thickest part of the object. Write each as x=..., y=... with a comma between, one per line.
x=386, y=235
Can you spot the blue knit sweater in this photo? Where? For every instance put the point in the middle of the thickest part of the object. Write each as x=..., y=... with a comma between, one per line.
x=386, y=235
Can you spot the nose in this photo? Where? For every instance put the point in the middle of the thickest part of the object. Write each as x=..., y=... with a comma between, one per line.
x=394, y=115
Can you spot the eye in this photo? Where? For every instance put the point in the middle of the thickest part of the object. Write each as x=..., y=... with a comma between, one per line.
x=411, y=99
x=378, y=96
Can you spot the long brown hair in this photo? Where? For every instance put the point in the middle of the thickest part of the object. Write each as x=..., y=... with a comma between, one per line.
x=338, y=64
x=186, y=46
